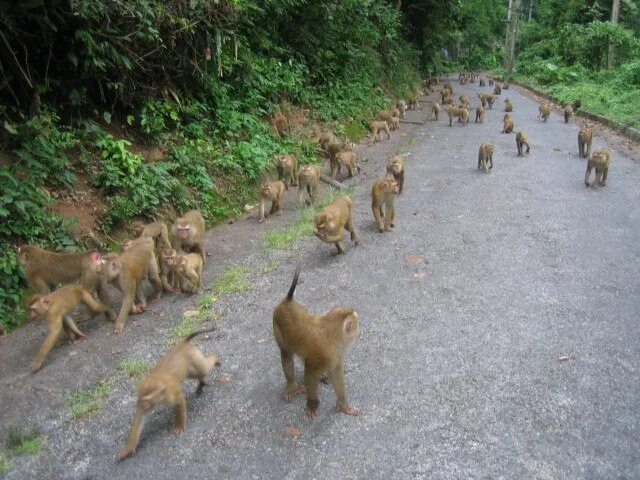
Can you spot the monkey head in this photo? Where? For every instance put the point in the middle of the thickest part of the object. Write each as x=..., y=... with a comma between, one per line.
x=137, y=227
x=325, y=223
x=266, y=190
x=169, y=255
x=184, y=230
x=38, y=305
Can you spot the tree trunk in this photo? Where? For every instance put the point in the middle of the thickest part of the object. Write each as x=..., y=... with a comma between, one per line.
x=615, y=15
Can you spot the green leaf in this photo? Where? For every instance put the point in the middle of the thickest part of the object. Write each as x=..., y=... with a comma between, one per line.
x=107, y=117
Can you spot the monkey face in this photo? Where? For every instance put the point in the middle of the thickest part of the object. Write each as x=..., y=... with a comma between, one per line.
x=266, y=190
x=183, y=231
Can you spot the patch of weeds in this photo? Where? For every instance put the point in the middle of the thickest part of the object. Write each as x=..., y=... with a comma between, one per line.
x=22, y=442
x=207, y=302
x=5, y=464
x=233, y=280
x=133, y=368
x=354, y=131
x=190, y=324
x=268, y=267
x=90, y=400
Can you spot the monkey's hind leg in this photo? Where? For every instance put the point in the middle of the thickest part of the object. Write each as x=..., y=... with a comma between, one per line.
x=292, y=388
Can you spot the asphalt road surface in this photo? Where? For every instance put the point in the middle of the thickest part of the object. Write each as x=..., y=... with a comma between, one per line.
x=500, y=327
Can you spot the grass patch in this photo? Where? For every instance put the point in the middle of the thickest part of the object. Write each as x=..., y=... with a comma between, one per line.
x=268, y=267
x=189, y=325
x=90, y=400
x=133, y=368
x=285, y=238
x=22, y=442
x=5, y=464
x=233, y=280
x=355, y=131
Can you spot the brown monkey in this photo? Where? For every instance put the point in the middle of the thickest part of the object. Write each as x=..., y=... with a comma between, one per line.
x=585, y=136
x=332, y=221
x=490, y=100
x=308, y=179
x=508, y=106
x=163, y=384
x=160, y=234
x=348, y=160
x=188, y=231
x=402, y=107
x=497, y=90
x=507, y=121
x=54, y=308
x=189, y=267
x=376, y=128
x=126, y=272
x=395, y=167
x=321, y=341
x=287, y=166
x=271, y=192
x=485, y=157
x=505, y=86
x=383, y=195
x=167, y=260
x=436, y=110
x=490, y=82
x=600, y=161
x=45, y=270
x=545, y=111
x=482, y=82
x=483, y=100
x=385, y=116
x=568, y=113
x=413, y=102
x=522, y=140
x=447, y=100
x=462, y=113
x=394, y=112
x=333, y=149
x=281, y=124
x=480, y=114
x=464, y=99
x=325, y=138
x=395, y=123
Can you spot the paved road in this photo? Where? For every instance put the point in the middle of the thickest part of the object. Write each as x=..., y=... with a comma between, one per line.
x=499, y=334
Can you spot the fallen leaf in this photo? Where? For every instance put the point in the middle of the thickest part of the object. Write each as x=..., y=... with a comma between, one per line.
x=413, y=259
x=291, y=432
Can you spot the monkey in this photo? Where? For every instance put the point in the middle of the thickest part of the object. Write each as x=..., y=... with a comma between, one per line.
x=281, y=124
x=585, y=136
x=497, y=90
x=271, y=192
x=462, y=113
x=508, y=106
x=287, y=166
x=446, y=92
x=324, y=139
x=160, y=233
x=126, y=272
x=545, y=111
x=483, y=100
x=482, y=82
x=402, y=107
x=167, y=259
x=480, y=114
x=385, y=116
x=349, y=160
x=568, y=112
x=485, y=157
x=333, y=149
x=308, y=179
x=505, y=86
x=447, y=86
x=332, y=221
x=508, y=124
x=395, y=167
x=321, y=341
x=448, y=100
x=383, y=195
x=490, y=82
x=464, y=99
x=521, y=140
x=436, y=110
x=376, y=128
x=413, y=102
x=394, y=113
x=600, y=161
x=45, y=270
x=188, y=231
x=163, y=385
x=54, y=308
x=487, y=99
x=189, y=267
x=395, y=123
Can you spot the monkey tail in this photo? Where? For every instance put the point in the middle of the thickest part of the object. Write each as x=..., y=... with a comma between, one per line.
x=294, y=283
x=198, y=332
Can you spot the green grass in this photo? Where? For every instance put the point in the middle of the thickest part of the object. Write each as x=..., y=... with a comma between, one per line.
x=90, y=400
x=5, y=464
x=285, y=238
x=233, y=280
x=133, y=368
x=189, y=325
x=268, y=267
x=22, y=442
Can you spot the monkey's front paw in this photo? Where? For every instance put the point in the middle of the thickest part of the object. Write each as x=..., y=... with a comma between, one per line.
x=118, y=328
x=139, y=309
x=178, y=429
x=35, y=366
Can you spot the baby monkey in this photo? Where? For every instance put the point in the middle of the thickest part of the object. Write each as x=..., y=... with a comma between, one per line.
x=321, y=341
x=164, y=385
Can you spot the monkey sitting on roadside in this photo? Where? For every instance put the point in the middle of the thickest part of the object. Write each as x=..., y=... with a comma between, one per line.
x=321, y=341
x=600, y=161
x=332, y=221
x=544, y=112
x=271, y=192
x=54, y=308
x=508, y=123
x=521, y=141
x=508, y=106
x=485, y=157
x=308, y=179
x=376, y=128
x=383, y=196
x=163, y=384
x=585, y=137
